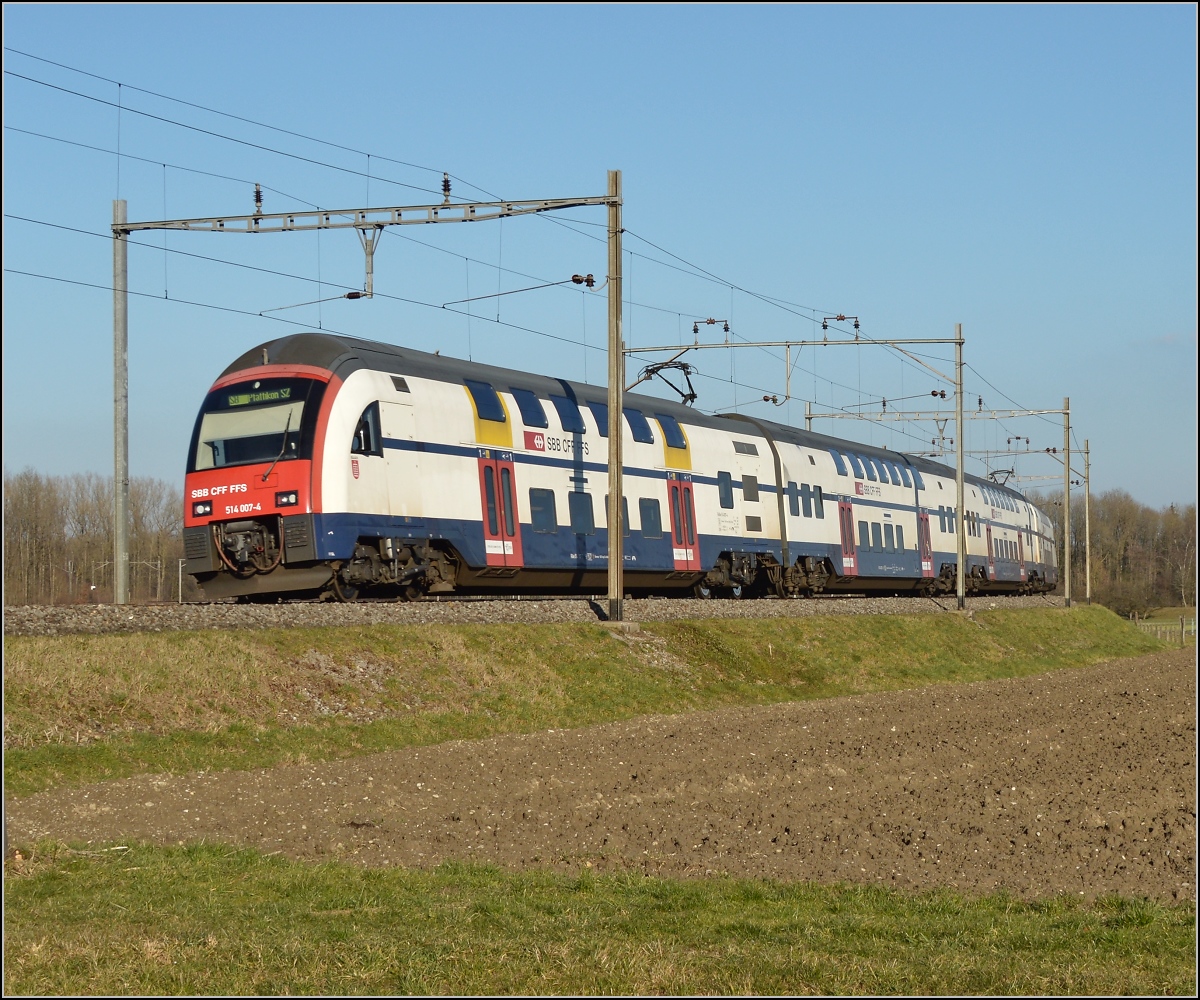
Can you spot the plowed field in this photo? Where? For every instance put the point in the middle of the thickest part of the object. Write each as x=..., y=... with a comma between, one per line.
x=1080, y=781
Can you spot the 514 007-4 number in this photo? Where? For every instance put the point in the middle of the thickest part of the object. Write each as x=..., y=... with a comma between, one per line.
x=242, y=508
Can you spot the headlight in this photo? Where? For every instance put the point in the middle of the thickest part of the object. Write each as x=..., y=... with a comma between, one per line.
x=202, y=509
x=288, y=499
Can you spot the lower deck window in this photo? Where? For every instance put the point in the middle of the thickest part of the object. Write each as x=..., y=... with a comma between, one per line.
x=583, y=519
x=725, y=489
x=542, y=511
x=624, y=514
x=651, y=515
x=813, y=500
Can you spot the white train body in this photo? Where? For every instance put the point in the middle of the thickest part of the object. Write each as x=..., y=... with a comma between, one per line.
x=324, y=463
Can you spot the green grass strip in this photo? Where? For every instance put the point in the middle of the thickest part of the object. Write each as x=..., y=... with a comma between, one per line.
x=210, y=920
x=90, y=708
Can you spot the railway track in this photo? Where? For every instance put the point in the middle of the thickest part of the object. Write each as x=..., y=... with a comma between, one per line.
x=106, y=618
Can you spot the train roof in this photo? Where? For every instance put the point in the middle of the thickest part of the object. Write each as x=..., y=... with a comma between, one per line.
x=343, y=355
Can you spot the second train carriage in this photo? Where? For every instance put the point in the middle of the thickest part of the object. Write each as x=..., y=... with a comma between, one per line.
x=328, y=464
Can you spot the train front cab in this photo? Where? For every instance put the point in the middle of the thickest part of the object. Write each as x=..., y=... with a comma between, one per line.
x=249, y=487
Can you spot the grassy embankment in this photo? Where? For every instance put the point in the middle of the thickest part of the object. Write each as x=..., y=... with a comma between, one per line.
x=90, y=708
x=208, y=920
x=211, y=920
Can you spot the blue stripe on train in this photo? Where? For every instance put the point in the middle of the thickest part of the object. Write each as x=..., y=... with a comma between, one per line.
x=565, y=550
x=337, y=535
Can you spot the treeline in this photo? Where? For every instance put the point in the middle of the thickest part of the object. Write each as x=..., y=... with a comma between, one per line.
x=58, y=540
x=58, y=544
x=1142, y=558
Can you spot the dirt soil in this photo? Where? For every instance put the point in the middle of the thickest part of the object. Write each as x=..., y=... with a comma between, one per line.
x=1079, y=781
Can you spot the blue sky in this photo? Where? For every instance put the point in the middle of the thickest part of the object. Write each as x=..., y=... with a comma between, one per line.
x=1027, y=171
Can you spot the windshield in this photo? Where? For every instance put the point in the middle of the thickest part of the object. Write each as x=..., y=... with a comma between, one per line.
x=263, y=420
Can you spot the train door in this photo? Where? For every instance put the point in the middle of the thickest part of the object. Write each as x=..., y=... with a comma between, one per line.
x=685, y=544
x=1021, y=554
x=991, y=557
x=498, y=495
x=846, y=524
x=403, y=471
x=925, y=545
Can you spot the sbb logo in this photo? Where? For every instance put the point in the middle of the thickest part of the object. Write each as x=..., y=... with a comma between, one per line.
x=535, y=441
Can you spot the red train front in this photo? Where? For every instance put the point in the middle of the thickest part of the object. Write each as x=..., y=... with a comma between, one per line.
x=250, y=473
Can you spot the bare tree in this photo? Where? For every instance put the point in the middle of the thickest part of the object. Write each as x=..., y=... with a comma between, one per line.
x=58, y=539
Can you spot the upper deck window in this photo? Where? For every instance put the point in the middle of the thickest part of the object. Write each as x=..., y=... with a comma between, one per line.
x=639, y=425
x=745, y=447
x=568, y=414
x=532, y=411
x=671, y=430
x=487, y=402
x=600, y=412
x=838, y=463
x=857, y=466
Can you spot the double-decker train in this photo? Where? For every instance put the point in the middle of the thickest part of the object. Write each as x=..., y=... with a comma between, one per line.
x=325, y=465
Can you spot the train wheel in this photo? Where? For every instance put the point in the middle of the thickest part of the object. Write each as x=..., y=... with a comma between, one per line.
x=702, y=592
x=346, y=593
x=735, y=592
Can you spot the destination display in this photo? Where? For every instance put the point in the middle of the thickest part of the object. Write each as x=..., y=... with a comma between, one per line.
x=265, y=396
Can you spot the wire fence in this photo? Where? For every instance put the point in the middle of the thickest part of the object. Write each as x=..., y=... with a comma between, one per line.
x=1167, y=630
